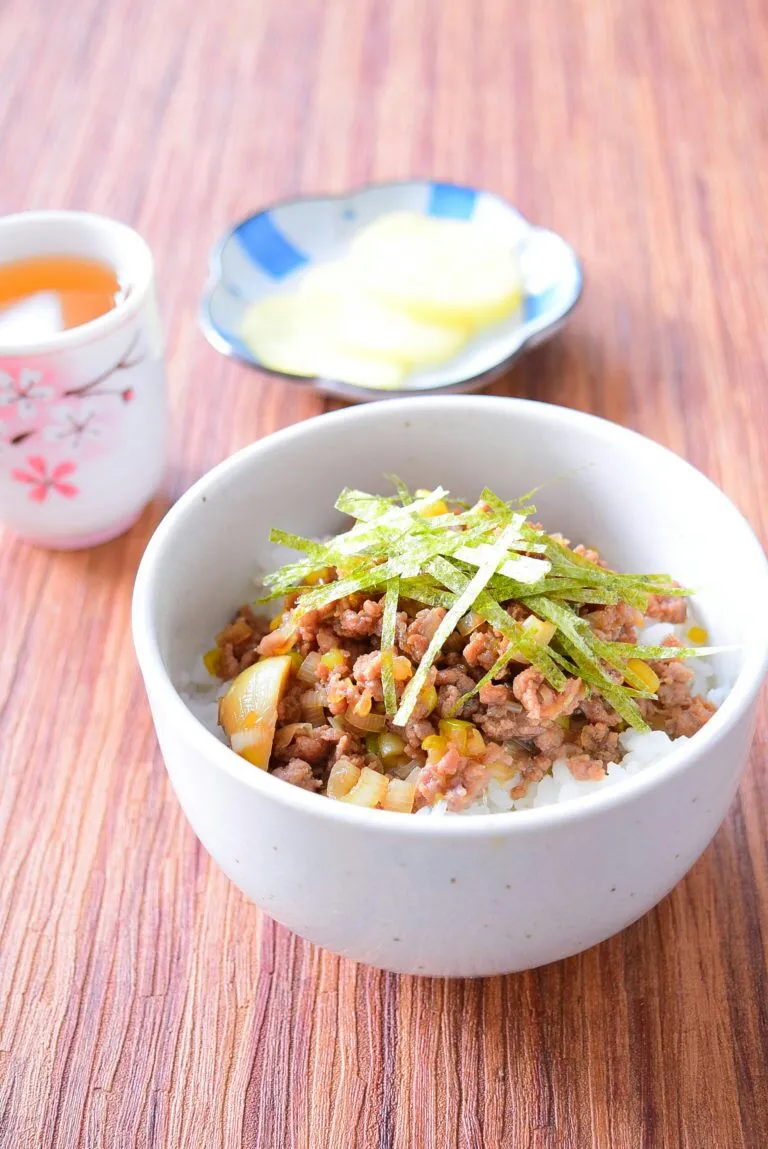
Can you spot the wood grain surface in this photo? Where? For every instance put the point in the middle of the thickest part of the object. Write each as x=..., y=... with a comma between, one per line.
x=143, y=1002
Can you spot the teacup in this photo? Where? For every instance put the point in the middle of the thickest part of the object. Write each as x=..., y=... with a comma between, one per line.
x=83, y=416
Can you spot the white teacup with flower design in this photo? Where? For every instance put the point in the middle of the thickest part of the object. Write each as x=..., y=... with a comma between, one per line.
x=83, y=412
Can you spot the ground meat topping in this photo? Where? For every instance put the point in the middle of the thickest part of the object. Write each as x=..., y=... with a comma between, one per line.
x=615, y=623
x=493, y=694
x=688, y=720
x=229, y=665
x=298, y=773
x=550, y=740
x=289, y=708
x=540, y=700
x=585, y=769
x=596, y=709
x=588, y=554
x=502, y=723
x=600, y=743
x=453, y=777
x=326, y=639
x=532, y=770
x=416, y=731
x=367, y=673
x=360, y=623
x=421, y=632
x=483, y=648
x=673, y=609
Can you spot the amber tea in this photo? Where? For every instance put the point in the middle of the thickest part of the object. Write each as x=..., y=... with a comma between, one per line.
x=43, y=295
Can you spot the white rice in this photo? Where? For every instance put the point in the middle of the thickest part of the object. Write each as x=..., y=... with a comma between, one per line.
x=640, y=750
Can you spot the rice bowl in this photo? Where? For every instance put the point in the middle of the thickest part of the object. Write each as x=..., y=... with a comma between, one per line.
x=503, y=893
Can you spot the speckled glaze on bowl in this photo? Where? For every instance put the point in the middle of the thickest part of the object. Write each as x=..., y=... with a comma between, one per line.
x=453, y=896
x=265, y=253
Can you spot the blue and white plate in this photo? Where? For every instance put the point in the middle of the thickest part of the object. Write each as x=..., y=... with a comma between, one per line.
x=267, y=252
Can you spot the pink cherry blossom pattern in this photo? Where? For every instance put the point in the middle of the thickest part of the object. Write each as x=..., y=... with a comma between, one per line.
x=41, y=482
x=24, y=393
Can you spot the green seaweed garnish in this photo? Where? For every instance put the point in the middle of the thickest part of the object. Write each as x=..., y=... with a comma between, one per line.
x=428, y=549
x=388, y=645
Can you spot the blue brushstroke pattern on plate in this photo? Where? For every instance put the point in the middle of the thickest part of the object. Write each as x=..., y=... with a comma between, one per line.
x=269, y=250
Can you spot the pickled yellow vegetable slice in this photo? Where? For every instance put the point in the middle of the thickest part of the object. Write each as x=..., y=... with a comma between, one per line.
x=248, y=711
x=437, y=270
x=299, y=337
x=359, y=324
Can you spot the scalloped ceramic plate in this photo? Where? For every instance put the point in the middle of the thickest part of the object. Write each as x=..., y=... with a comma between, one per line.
x=267, y=252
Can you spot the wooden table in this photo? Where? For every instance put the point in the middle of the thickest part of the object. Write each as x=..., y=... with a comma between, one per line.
x=143, y=1001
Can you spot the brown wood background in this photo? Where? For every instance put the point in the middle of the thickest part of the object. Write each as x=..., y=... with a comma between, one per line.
x=143, y=1002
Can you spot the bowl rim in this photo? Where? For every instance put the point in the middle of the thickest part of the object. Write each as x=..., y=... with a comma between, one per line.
x=353, y=391
x=162, y=691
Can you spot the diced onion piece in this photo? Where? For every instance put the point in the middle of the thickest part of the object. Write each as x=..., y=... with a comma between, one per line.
x=469, y=622
x=698, y=635
x=249, y=708
x=399, y=796
x=212, y=661
x=501, y=771
x=390, y=746
x=428, y=699
x=363, y=705
x=308, y=669
x=367, y=722
x=281, y=641
x=645, y=673
x=312, y=707
x=350, y=565
x=431, y=512
x=540, y=631
x=457, y=731
x=369, y=790
x=296, y=660
x=435, y=745
x=475, y=743
x=322, y=575
x=287, y=733
x=237, y=632
x=342, y=777
x=332, y=658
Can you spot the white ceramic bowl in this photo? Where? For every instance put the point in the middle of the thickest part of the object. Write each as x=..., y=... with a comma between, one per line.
x=454, y=896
